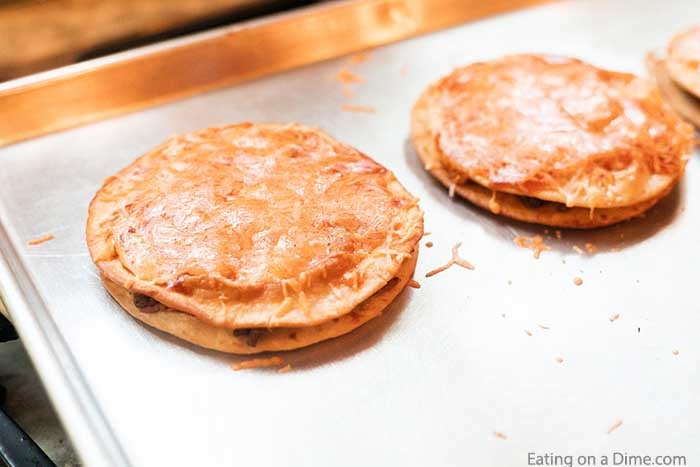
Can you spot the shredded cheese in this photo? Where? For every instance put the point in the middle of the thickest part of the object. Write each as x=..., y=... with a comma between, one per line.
x=346, y=76
x=617, y=424
x=358, y=108
x=494, y=206
x=500, y=435
x=536, y=244
x=40, y=240
x=285, y=307
x=456, y=259
x=414, y=283
x=304, y=303
x=614, y=317
x=359, y=57
x=578, y=281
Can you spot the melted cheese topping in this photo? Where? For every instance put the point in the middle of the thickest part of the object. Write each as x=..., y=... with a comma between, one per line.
x=558, y=129
x=254, y=224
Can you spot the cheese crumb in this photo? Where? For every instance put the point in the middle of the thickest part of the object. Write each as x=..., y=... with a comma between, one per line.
x=536, y=244
x=359, y=57
x=617, y=424
x=346, y=76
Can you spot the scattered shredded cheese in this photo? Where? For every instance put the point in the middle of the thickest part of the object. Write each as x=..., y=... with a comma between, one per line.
x=285, y=368
x=528, y=332
x=346, y=76
x=285, y=307
x=494, y=206
x=577, y=249
x=578, y=281
x=358, y=108
x=359, y=57
x=536, y=244
x=614, y=317
x=591, y=248
x=258, y=363
x=451, y=191
x=456, y=259
x=40, y=240
x=429, y=244
x=414, y=283
x=557, y=233
x=542, y=326
x=615, y=426
x=500, y=435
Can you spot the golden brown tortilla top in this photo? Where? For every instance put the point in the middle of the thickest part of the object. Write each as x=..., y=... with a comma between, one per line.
x=557, y=129
x=254, y=225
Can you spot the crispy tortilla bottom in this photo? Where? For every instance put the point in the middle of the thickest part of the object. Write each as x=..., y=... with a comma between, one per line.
x=191, y=329
x=546, y=212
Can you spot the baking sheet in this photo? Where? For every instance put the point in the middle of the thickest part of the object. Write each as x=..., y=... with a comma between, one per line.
x=448, y=365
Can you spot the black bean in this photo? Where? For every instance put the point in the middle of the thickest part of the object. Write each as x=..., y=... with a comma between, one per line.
x=529, y=202
x=144, y=301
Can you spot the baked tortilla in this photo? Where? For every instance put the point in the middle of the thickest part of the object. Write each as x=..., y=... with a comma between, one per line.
x=591, y=147
x=685, y=103
x=254, y=225
x=521, y=208
x=191, y=329
x=683, y=60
